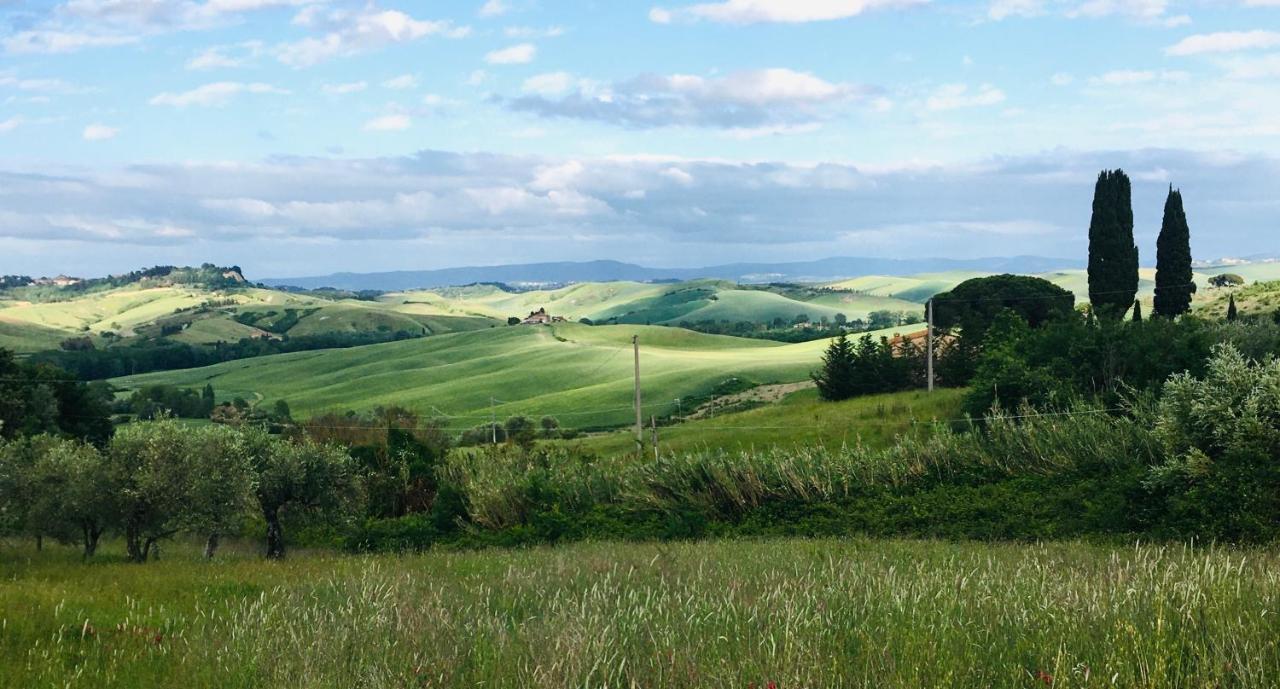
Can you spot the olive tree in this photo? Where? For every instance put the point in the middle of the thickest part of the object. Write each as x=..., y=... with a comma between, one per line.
x=74, y=493
x=300, y=479
x=152, y=467
x=221, y=483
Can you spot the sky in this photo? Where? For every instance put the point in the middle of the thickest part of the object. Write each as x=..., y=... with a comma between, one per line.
x=303, y=137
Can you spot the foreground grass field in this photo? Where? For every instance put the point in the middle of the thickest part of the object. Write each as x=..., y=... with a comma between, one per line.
x=723, y=614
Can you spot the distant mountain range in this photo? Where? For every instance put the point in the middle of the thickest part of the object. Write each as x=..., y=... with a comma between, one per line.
x=824, y=270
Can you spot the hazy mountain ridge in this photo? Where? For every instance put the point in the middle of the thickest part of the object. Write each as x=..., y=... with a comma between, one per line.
x=823, y=270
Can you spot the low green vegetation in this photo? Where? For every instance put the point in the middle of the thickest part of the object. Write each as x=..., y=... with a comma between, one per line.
x=783, y=613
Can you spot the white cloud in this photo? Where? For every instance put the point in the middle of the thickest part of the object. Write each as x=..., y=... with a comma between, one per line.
x=54, y=41
x=1061, y=79
x=494, y=8
x=11, y=124
x=1131, y=77
x=388, y=123
x=785, y=11
x=532, y=32
x=52, y=86
x=343, y=89
x=1003, y=9
x=1224, y=42
x=401, y=83
x=1263, y=67
x=214, y=95
x=1145, y=11
x=955, y=96
x=226, y=56
x=759, y=101
x=477, y=77
x=550, y=84
x=99, y=132
x=520, y=54
x=347, y=33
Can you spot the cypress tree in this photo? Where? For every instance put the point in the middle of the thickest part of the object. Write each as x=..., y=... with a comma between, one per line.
x=1174, y=281
x=1232, y=313
x=1137, y=311
x=1113, y=257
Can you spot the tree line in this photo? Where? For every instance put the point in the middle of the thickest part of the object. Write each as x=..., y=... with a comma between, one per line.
x=1053, y=350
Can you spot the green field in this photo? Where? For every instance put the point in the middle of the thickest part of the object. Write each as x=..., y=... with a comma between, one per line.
x=785, y=613
x=799, y=419
x=581, y=374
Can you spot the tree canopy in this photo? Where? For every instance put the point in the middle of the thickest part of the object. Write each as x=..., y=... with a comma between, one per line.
x=972, y=306
x=1113, y=257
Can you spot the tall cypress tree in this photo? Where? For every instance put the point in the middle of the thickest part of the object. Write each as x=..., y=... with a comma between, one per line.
x=1232, y=313
x=1174, y=281
x=1113, y=257
x=1137, y=311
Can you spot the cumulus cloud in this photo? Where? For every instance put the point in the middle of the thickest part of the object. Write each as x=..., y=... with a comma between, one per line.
x=955, y=96
x=453, y=208
x=1132, y=77
x=401, y=83
x=783, y=11
x=1145, y=11
x=343, y=89
x=519, y=54
x=739, y=100
x=99, y=132
x=388, y=123
x=493, y=8
x=225, y=56
x=214, y=95
x=344, y=32
x=74, y=25
x=1224, y=42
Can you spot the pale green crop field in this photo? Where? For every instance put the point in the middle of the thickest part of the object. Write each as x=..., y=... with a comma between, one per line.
x=581, y=374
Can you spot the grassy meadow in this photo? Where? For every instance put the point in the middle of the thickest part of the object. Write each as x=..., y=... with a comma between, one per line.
x=800, y=419
x=778, y=613
x=581, y=374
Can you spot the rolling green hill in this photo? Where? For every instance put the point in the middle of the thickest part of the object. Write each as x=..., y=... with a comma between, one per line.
x=580, y=374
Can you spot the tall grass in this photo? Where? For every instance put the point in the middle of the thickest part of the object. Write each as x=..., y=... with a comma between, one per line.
x=504, y=487
x=726, y=614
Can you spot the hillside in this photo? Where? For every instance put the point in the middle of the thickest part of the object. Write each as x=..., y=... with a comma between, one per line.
x=798, y=419
x=580, y=374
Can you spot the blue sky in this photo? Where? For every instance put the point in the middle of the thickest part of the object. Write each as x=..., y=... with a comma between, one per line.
x=305, y=136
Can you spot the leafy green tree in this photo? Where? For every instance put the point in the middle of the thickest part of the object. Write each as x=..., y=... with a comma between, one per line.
x=1226, y=280
x=221, y=483
x=550, y=427
x=152, y=466
x=1220, y=436
x=841, y=319
x=836, y=380
x=300, y=479
x=1174, y=280
x=1113, y=257
x=973, y=305
x=520, y=430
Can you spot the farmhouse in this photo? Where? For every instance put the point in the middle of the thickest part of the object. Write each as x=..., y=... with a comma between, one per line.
x=541, y=317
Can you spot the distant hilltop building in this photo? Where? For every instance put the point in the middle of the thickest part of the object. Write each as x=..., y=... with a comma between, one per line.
x=59, y=281
x=541, y=317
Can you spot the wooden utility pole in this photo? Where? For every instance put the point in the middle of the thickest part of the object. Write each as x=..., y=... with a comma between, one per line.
x=635, y=344
x=493, y=421
x=929, y=373
x=653, y=423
